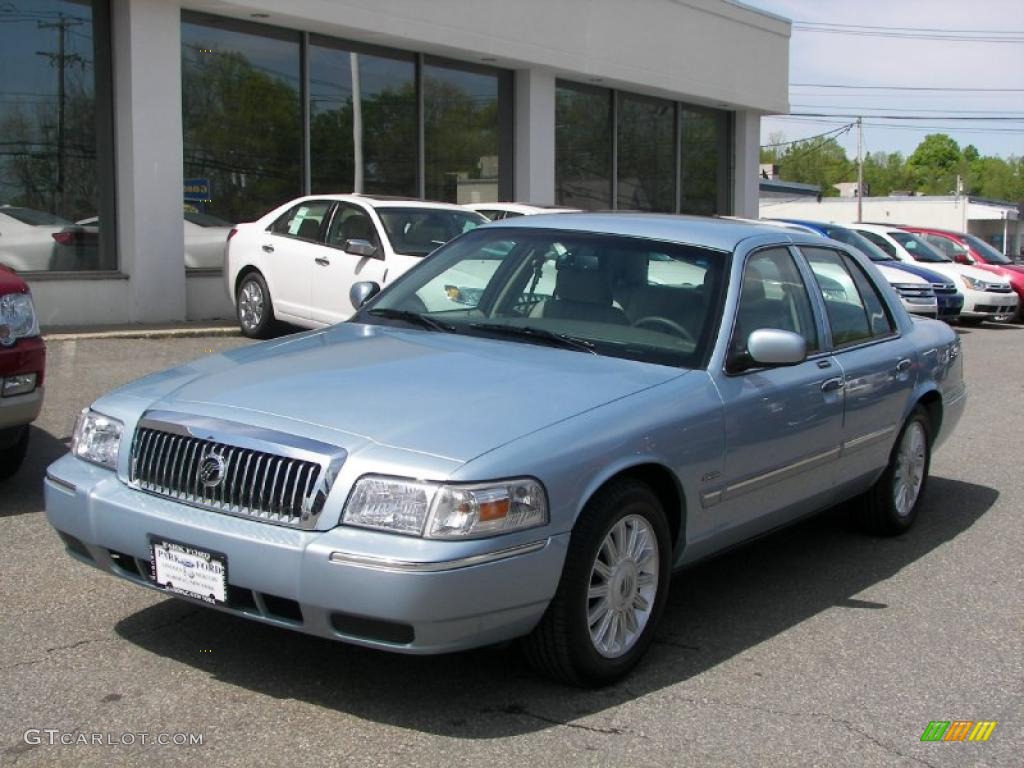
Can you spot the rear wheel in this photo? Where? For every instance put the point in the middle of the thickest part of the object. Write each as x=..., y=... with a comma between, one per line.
x=891, y=506
x=254, y=307
x=613, y=590
x=13, y=447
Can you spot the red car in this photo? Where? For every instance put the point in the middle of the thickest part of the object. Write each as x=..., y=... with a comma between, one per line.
x=969, y=249
x=22, y=363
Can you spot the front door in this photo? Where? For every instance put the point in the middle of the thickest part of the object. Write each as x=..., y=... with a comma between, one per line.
x=782, y=425
x=338, y=268
x=290, y=247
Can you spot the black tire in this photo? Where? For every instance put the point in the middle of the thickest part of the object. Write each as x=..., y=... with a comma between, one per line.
x=561, y=645
x=254, y=307
x=13, y=451
x=883, y=513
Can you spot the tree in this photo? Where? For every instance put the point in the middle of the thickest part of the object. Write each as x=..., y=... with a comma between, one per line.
x=816, y=161
x=935, y=164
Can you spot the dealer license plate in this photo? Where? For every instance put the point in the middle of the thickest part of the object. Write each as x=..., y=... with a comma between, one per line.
x=189, y=571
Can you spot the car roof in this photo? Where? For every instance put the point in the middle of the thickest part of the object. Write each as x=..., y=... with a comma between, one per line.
x=720, y=234
x=936, y=230
x=383, y=201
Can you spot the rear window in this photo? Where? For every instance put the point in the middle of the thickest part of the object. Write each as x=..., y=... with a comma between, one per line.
x=34, y=218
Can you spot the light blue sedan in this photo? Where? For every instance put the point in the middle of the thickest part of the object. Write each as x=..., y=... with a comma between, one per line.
x=523, y=437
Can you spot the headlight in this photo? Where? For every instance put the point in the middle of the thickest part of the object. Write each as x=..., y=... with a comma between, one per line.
x=17, y=318
x=440, y=511
x=974, y=285
x=97, y=438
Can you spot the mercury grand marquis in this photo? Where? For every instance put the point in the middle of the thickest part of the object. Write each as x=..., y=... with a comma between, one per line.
x=522, y=437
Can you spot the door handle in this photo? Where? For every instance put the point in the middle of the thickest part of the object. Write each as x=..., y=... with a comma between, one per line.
x=322, y=261
x=833, y=384
x=268, y=248
x=903, y=365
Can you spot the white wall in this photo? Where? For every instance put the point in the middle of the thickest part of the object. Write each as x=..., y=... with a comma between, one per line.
x=746, y=158
x=534, y=172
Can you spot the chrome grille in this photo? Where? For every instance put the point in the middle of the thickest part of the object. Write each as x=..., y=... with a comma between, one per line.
x=233, y=469
x=944, y=288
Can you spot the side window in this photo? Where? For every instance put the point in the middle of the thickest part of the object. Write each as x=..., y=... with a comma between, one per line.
x=351, y=222
x=303, y=220
x=773, y=295
x=856, y=312
x=945, y=245
x=881, y=242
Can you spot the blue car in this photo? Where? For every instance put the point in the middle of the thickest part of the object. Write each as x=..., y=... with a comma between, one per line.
x=523, y=437
x=949, y=300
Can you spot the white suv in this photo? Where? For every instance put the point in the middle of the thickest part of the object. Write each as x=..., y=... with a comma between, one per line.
x=298, y=262
x=986, y=296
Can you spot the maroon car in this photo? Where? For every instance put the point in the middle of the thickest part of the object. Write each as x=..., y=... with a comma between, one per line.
x=22, y=362
x=964, y=248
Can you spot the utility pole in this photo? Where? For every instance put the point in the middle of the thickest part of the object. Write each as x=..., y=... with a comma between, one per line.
x=860, y=169
x=62, y=59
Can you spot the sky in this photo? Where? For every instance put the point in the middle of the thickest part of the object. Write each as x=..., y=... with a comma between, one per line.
x=892, y=52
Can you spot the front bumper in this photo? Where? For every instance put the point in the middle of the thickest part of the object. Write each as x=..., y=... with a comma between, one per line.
x=990, y=305
x=26, y=356
x=434, y=598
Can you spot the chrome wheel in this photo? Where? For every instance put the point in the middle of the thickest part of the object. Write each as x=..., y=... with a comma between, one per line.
x=251, y=305
x=623, y=585
x=911, y=458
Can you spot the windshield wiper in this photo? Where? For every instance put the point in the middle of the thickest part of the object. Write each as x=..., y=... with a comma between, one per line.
x=424, y=321
x=537, y=334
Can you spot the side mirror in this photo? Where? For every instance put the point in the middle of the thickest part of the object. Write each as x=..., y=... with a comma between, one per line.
x=360, y=293
x=963, y=258
x=360, y=247
x=771, y=346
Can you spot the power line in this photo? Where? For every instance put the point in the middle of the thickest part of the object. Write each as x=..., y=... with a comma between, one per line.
x=905, y=87
x=908, y=117
x=905, y=33
x=911, y=29
x=982, y=114
x=837, y=131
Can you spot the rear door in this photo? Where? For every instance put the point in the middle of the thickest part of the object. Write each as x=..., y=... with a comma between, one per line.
x=878, y=365
x=337, y=268
x=290, y=248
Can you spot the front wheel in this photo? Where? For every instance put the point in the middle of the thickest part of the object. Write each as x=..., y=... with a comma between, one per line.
x=891, y=506
x=612, y=592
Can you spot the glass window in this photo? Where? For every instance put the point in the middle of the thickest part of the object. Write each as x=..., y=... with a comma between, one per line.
x=583, y=147
x=582, y=291
x=987, y=251
x=917, y=247
x=463, y=131
x=773, y=295
x=350, y=222
x=881, y=242
x=855, y=310
x=944, y=245
x=56, y=163
x=241, y=116
x=418, y=231
x=646, y=157
x=303, y=221
x=703, y=162
x=362, y=111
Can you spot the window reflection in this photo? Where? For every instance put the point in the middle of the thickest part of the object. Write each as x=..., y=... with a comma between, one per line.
x=704, y=149
x=55, y=151
x=461, y=126
x=241, y=116
x=583, y=147
x=384, y=117
x=646, y=134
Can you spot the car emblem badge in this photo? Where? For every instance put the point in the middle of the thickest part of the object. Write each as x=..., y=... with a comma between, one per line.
x=212, y=468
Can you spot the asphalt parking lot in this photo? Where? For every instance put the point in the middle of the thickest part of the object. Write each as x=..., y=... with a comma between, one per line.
x=815, y=646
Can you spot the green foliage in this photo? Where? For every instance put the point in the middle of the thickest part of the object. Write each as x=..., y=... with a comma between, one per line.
x=931, y=169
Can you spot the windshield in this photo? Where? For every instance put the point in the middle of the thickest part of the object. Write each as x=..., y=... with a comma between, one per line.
x=418, y=231
x=918, y=248
x=639, y=299
x=205, y=219
x=858, y=241
x=987, y=251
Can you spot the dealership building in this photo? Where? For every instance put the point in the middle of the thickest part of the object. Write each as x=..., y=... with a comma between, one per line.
x=135, y=132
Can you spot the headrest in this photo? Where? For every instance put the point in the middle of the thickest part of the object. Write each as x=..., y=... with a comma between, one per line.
x=588, y=287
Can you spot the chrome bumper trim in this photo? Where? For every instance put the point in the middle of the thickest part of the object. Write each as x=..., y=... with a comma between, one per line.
x=411, y=566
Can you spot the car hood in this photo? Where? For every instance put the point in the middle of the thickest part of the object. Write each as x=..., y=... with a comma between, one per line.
x=454, y=397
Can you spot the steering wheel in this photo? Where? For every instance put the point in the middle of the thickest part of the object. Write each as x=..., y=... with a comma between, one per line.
x=672, y=325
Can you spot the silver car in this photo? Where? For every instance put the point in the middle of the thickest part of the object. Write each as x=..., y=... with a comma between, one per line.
x=613, y=397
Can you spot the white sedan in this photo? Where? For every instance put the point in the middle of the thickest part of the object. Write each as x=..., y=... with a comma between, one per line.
x=298, y=262
x=498, y=211
x=986, y=296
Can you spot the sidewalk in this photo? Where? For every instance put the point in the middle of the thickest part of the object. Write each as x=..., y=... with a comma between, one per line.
x=142, y=331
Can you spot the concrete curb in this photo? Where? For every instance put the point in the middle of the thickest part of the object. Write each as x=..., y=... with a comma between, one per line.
x=171, y=332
